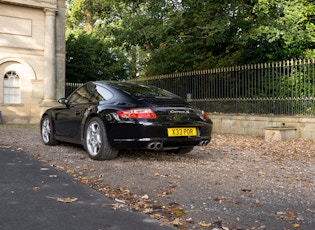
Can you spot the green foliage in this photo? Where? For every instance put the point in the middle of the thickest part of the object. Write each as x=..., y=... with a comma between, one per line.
x=87, y=14
x=167, y=36
x=281, y=30
x=91, y=58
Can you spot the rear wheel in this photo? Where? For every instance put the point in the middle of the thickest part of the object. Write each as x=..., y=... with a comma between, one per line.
x=47, y=132
x=96, y=141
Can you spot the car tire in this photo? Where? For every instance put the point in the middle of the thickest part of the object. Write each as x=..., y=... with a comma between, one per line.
x=47, y=131
x=96, y=141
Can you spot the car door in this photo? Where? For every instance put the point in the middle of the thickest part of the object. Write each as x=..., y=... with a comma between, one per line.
x=69, y=120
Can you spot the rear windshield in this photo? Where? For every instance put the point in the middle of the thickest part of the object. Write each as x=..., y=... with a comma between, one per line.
x=144, y=91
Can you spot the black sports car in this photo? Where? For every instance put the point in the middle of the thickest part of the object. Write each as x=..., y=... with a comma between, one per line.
x=106, y=117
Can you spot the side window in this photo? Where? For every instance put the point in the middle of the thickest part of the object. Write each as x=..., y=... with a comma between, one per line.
x=101, y=94
x=82, y=95
x=11, y=88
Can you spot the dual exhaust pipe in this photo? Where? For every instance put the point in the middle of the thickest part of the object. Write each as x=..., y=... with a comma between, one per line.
x=155, y=145
x=203, y=142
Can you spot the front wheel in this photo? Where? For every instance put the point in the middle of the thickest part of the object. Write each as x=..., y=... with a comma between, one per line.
x=96, y=141
x=47, y=131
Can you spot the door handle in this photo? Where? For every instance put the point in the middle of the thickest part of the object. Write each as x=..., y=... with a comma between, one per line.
x=77, y=113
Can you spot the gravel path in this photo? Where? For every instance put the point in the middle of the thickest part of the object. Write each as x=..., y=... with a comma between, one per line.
x=236, y=182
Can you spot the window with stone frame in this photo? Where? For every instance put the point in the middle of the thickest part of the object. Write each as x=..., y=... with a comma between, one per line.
x=11, y=88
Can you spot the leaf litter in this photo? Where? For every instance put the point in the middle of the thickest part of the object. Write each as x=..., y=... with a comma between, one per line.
x=220, y=186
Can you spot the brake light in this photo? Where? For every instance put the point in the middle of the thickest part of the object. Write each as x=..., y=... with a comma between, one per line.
x=204, y=115
x=137, y=113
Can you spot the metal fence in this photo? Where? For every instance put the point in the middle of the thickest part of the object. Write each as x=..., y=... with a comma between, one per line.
x=70, y=87
x=279, y=88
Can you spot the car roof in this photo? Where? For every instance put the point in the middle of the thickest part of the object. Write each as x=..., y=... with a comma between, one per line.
x=138, y=90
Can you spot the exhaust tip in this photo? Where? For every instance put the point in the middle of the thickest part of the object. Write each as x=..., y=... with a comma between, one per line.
x=151, y=145
x=203, y=142
x=155, y=145
x=158, y=145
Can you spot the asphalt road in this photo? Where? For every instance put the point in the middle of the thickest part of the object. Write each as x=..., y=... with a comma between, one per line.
x=36, y=196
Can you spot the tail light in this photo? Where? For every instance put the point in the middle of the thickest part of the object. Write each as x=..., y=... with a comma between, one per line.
x=202, y=114
x=137, y=113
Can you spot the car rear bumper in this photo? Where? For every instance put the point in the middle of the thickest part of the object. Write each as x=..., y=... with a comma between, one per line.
x=154, y=137
x=158, y=144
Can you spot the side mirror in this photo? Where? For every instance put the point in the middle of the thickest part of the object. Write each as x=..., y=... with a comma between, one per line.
x=62, y=101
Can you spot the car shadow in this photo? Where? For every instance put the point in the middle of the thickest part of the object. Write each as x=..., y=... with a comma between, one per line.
x=147, y=155
x=197, y=154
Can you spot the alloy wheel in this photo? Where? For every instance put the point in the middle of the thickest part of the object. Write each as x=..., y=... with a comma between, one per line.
x=46, y=130
x=94, y=138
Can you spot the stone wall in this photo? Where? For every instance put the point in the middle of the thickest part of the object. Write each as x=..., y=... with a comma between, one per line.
x=24, y=35
x=255, y=125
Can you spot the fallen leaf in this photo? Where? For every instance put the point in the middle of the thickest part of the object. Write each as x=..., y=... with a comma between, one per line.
x=36, y=188
x=220, y=199
x=84, y=180
x=44, y=169
x=176, y=222
x=156, y=216
x=203, y=224
x=63, y=200
x=157, y=174
x=165, y=192
x=296, y=225
x=190, y=220
x=178, y=212
x=120, y=201
x=116, y=206
x=280, y=213
x=256, y=204
x=290, y=215
x=148, y=210
x=67, y=199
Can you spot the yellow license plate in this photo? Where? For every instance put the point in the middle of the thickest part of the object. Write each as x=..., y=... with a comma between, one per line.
x=182, y=132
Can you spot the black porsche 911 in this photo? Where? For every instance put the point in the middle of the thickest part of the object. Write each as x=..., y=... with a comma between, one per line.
x=106, y=117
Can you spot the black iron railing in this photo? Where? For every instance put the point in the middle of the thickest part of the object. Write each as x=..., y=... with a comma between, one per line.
x=280, y=88
x=70, y=87
x=285, y=88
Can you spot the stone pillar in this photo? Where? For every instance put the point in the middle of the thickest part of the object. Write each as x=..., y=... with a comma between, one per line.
x=50, y=57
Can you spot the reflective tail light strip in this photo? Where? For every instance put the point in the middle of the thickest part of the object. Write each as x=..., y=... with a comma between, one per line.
x=135, y=113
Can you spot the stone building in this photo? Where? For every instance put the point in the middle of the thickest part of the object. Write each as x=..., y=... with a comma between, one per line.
x=32, y=58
